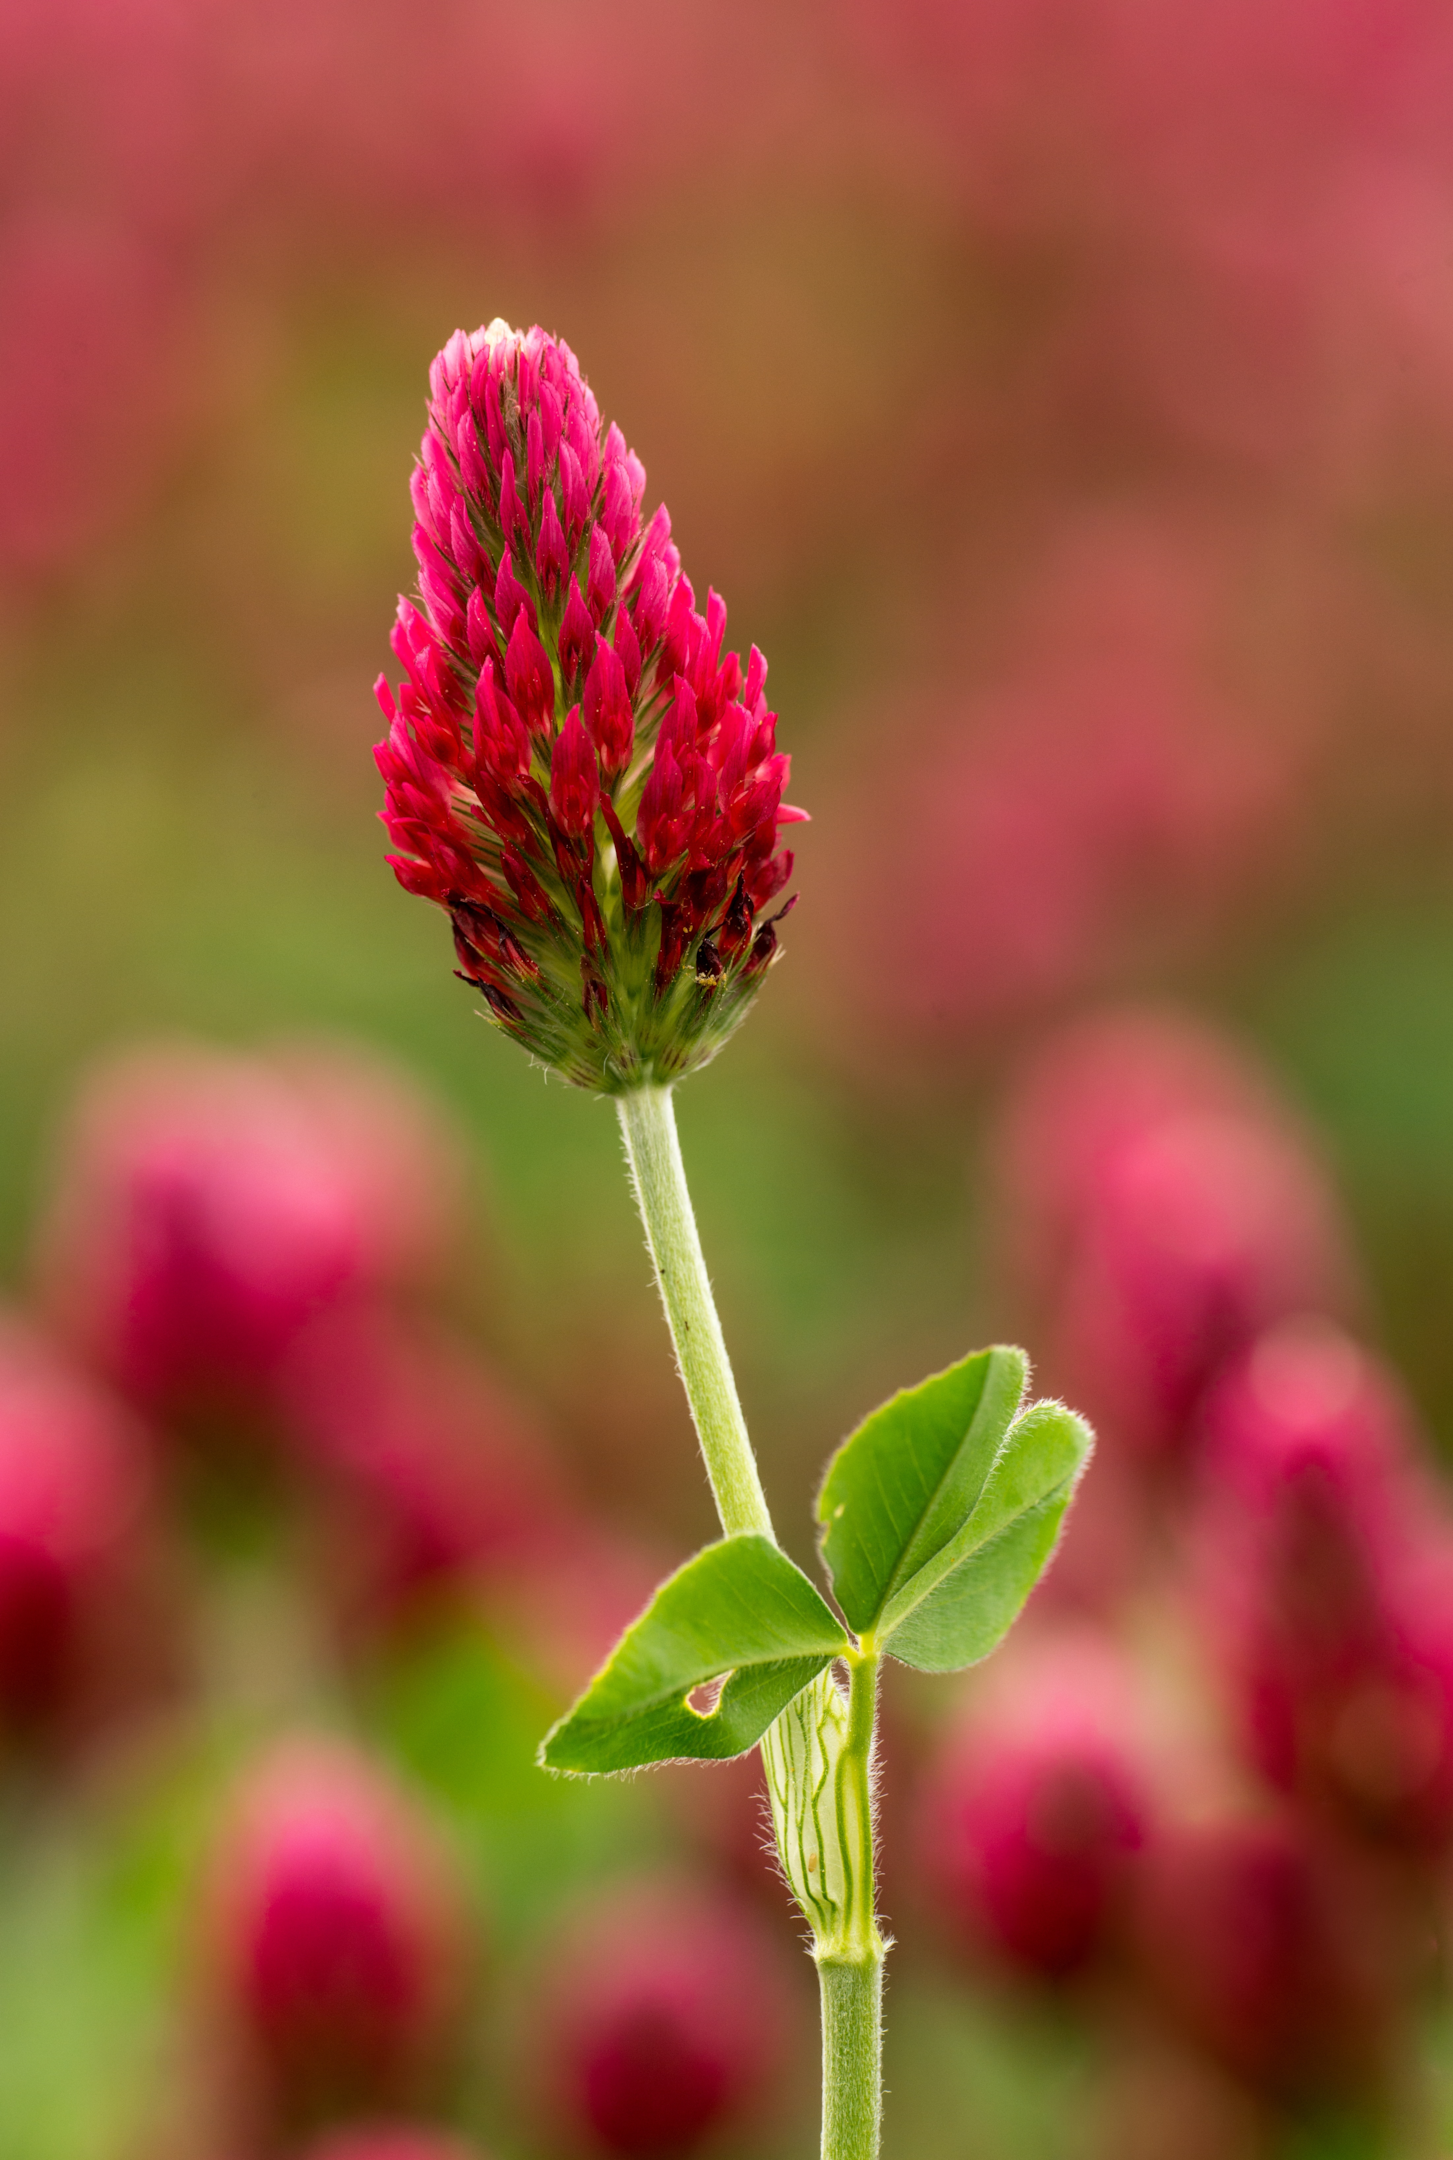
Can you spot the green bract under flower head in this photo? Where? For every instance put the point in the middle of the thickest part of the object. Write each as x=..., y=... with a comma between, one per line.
x=574, y=770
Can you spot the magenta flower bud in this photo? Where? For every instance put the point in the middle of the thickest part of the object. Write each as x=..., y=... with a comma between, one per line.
x=1035, y=1808
x=608, y=716
x=618, y=872
x=577, y=635
x=509, y=597
x=574, y=496
x=501, y=739
x=664, y=2026
x=527, y=672
x=600, y=589
x=512, y=520
x=473, y=470
x=574, y=782
x=1267, y=1949
x=75, y=1500
x=464, y=546
x=479, y=633
x=628, y=650
x=334, y=1943
x=535, y=458
x=552, y=557
x=210, y=1206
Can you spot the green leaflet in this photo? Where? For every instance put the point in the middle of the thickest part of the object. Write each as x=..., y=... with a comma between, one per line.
x=941, y=1512
x=954, y=1610
x=901, y=1488
x=742, y=1608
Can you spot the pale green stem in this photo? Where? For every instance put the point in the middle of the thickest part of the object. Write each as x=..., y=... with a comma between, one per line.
x=818, y=1756
x=852, y=2044
x=648, y=1121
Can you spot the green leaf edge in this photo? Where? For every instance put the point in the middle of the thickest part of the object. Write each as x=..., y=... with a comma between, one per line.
x=665, y=1727
x=1001, y=1396
x=978, y=1536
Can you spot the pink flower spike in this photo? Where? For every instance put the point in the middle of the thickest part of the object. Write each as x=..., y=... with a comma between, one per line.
x=574, y=782
x=577, y=636
x=538, y=589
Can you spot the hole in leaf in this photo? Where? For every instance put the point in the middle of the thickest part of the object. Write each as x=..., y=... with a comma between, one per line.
x=704, y=1699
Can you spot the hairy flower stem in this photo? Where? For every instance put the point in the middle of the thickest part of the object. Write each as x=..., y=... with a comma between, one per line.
x=648, y=1121
x=852, y=2049
x=819, y=1754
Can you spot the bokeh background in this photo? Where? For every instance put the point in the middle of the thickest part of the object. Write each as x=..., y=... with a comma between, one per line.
x=1061, y=394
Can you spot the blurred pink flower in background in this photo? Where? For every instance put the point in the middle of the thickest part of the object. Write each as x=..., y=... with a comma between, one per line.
x=1204, y=1229
x=393, y=2141
x=418, y=1443
x=211, y=1205
x=1205, y=173
x=1325, y=1555
x=1156, y=409
x=1267, y=1946
x=80, y=1615
x=663, y=2022
x=1037, y=1800
x=335, y=1946
x=432, y=1480
x=194, y=155
x=1090, y=798
x=92, y=382
x=1161, y=1208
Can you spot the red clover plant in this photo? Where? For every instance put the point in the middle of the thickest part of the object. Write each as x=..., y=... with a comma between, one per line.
x=593, y=793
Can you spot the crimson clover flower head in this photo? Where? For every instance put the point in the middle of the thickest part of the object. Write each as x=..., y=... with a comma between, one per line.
x=573, y=768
